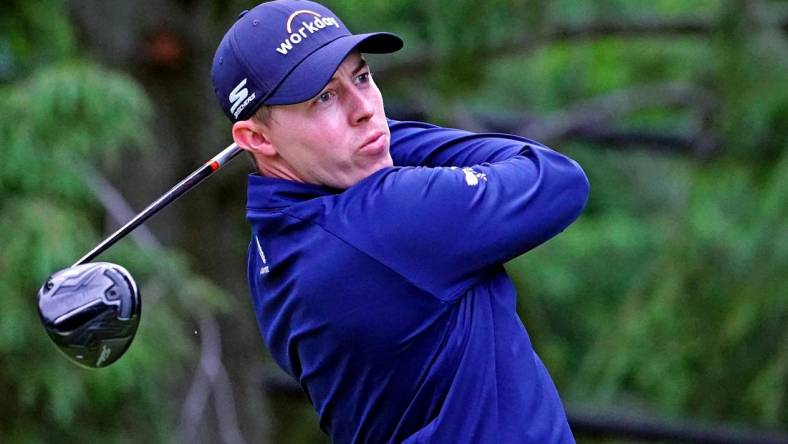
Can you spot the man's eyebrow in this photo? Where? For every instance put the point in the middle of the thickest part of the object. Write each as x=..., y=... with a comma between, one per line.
x=361, y=65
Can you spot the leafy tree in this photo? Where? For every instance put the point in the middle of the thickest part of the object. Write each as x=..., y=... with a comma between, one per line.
x=61, y=114
x=669, y=294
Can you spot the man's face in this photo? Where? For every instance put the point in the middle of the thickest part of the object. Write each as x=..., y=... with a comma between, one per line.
x=339, y=136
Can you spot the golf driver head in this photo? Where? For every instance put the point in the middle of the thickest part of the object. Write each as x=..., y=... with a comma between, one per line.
x=91, y=312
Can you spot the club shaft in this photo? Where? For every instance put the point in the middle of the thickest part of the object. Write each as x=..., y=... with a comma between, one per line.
x=191, y=181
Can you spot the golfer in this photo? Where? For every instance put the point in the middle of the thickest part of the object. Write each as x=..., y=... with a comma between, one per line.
x=377, y=247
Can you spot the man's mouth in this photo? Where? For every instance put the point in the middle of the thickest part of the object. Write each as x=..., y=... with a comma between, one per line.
x=375, y=144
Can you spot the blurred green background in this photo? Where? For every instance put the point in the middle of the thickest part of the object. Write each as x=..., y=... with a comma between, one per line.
x=667, y=299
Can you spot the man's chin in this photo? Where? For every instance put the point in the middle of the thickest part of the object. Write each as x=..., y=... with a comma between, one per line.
x=384, y=162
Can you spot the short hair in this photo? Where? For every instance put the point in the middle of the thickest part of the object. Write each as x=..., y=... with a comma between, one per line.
x=262, y=114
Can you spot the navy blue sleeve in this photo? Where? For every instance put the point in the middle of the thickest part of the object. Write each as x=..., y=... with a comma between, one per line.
x=442, y=228
x=423, y=144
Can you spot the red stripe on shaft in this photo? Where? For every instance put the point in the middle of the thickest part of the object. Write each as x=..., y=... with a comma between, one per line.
x=214, y=165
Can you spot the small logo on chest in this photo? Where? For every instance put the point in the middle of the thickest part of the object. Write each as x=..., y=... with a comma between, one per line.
x=264, y=269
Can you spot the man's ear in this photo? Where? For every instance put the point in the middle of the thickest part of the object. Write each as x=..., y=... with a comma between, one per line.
x=251, y=136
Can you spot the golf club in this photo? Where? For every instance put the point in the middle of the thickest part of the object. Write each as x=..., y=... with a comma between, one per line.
x=92, y=310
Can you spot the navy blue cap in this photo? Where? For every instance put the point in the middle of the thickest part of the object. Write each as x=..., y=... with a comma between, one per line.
x=284, y=52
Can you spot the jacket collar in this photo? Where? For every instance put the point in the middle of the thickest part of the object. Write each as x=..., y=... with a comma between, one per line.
x=268, y=192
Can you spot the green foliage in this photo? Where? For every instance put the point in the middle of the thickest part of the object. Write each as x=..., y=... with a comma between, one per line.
x=59, y=114
x=454, y=33
x=669, y=294
x=697, y=301
x=751, y=65
x=591, y=10
x=32, y=33
x=63, y=115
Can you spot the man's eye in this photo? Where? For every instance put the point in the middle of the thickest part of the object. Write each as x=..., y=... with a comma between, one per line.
x=363, y=78
x=325, y=97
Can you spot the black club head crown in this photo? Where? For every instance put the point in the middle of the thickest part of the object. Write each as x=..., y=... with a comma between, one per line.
x=91, y=312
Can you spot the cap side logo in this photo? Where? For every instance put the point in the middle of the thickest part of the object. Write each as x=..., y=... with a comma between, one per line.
x=240, y=97
x=307, y=28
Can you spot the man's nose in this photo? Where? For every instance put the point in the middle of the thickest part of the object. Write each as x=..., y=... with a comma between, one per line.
x=361, y=105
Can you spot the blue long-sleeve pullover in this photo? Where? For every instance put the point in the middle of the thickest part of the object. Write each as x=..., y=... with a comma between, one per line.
x=388, y=301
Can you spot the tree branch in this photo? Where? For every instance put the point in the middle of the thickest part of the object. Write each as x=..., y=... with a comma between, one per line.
x=118, y=210
x=593, y=120
x=609, y=424
x=607, y=107
x=424, y=61
x=211, y=376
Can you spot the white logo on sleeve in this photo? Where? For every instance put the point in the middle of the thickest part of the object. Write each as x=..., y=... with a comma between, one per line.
x=264, y=269
x=472, y=177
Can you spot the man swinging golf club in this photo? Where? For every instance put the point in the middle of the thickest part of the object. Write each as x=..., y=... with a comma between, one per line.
x=377, y=247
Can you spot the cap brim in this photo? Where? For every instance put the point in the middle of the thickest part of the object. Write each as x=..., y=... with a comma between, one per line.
x=313, y=73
